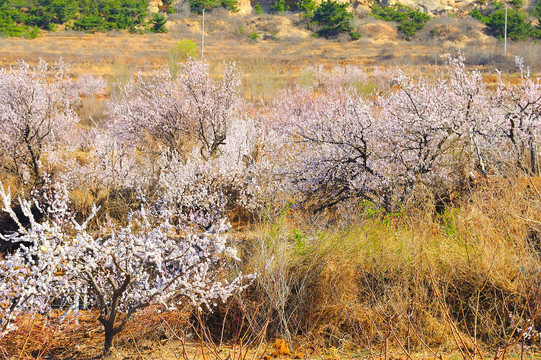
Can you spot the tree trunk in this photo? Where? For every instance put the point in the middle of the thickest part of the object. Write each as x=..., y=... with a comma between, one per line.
x=108, y=344
x=534, y=160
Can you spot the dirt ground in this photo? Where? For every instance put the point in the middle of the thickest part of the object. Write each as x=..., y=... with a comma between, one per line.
x=170, y=336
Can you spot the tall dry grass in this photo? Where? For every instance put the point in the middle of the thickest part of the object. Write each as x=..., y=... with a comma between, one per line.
x=416, y=282
x=460, y=280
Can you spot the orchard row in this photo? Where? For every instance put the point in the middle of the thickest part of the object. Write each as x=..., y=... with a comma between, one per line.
x=189, y=152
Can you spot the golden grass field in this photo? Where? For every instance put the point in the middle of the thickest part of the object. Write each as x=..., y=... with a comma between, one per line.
x=285, y=46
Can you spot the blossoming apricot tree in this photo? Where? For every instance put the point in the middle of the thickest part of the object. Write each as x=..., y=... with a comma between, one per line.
x=34, y=113
x=153, y=260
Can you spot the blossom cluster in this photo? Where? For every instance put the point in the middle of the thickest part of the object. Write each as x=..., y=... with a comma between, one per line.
x=35, y=115
x=152, y=260
x=436, y=130
x=195, y=141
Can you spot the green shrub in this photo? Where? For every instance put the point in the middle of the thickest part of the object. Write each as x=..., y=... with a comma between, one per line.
x=390, y=13
x=31, y=33
x=183, y=50
x=179, y=53
x=355, y=35
x=333, y=18
x=121, y=14
x=91, y=16
x=90, y=23
x=279, y=6
x=157, y=24
x=518, y=26
x=197, y=6
x=51, y=27
x=12, y=29
x=410, y=20
x=517, y=3
x=307, y=6
x=9, y=26
x=536, y=11
x=258, y=9
x=477, y=14
x=253, y=36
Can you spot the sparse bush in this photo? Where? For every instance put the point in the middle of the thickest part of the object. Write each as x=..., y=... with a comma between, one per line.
x=258, y=10
x=197, y=6
x=280, y=6
x=445, y=28
x=182, y=8
x=253, y=36
x=410, y=20
x=321, y=79
x=412, y=264
x=180, y=53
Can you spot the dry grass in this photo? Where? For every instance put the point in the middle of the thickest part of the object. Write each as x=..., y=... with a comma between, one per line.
x=423, y=282
x=359, y=283
x=284, y=43
x=404, y=283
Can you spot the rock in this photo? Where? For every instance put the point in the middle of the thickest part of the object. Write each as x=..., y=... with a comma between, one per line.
x=154, y=6
x=245, y=7
x=435, y=6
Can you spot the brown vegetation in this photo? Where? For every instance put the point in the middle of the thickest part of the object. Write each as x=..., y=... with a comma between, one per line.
x=413, y=284
x=456, y=276
x=284, y=43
